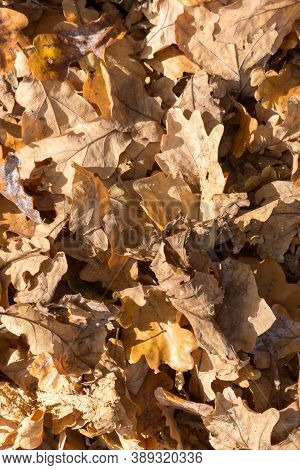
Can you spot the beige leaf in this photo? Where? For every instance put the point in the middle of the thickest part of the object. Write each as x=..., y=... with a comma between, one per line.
x=282, y=339
x=194, y=36
x=202, y=376
x=292, y=442
x=96, y=145
x=243, y=315
x=51, y=108
x=240, y=19
x=90, y=203
x=163, y=15
x=172, y=63
x=289, y=420
x=245, y=134
x=164, y=198
x=156, y=334
x=188, y=152
x=30, y=432
x=28, y=266
x=130, y=104
x=94, y=412
x=275, y=89
x=198, y=95
x=234, y=426
x=20, y=424
x=273, y=286
x=273, y=225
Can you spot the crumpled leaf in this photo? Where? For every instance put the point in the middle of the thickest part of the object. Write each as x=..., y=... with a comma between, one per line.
x=195, y=160
x=94, y=413
x=21, y=426
x=243, y=316
x=279, y=341
x=234, y=426
x=28, y=266
x=164, y=198
x=275, y=89
x=76, y=346
x=196, y=299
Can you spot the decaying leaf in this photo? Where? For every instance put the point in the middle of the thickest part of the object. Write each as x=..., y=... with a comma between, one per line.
x=234, y=426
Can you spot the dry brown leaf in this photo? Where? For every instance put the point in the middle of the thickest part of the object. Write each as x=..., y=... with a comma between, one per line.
x=164, y=198
x=279, y=341
x=275, y=89
x=96, y=145
x=168, y=399
x=196, y=299
x=163, y=15
x=172, y=63
x=188, y=152
x=34, y=274
x=244, y=136
x=130, y=104
x=90, y=204
x=76, y=347
x=21, y=425
x=51, y=108
x=273, y=286
x=234, y=426
x=198, y=94
x=55, y=52
x=156, y=334
x=94, y=413
x=243, y=316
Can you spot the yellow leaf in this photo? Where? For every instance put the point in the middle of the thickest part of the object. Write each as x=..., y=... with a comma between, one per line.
x=156, y=334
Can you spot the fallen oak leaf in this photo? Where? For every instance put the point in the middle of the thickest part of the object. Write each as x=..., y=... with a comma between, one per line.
x=274, y=89
x=245, y=134
x=156, y=334
x=164, y=198
x=282, y=339
x=51, y=108
x=163, y=14
x=75, y=11
x=75, y=346
x=243, y=315
x=95, y=411
x=21, y=424
x=95, y=145
x=233, y=425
